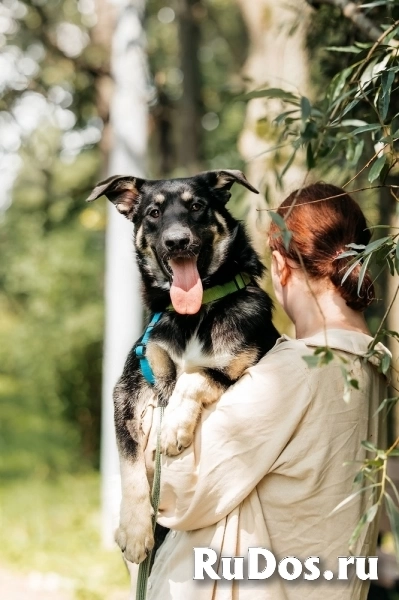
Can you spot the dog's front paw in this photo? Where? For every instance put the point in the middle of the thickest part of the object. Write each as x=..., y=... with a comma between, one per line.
x=175, y=436
x=135, y=539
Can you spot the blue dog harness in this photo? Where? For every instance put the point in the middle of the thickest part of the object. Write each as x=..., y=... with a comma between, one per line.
x=240, y=281
x=141, y=349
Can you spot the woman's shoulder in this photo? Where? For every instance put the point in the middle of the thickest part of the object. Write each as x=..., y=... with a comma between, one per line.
x=294, y=353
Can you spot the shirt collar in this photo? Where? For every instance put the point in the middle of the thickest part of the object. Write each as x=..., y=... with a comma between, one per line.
x=353, y=342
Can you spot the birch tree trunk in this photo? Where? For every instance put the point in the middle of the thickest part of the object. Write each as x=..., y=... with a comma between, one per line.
x=123, y=312
x=276, y=59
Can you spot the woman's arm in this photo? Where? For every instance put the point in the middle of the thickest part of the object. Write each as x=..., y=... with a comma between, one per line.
x=236, y=443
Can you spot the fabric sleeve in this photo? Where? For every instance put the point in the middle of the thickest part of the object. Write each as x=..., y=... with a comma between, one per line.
x=236, y=443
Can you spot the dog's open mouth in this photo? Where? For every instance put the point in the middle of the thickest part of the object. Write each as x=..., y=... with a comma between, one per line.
x=186, y=289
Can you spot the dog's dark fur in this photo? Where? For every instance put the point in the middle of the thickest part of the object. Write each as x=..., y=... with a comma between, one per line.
x=194, y=356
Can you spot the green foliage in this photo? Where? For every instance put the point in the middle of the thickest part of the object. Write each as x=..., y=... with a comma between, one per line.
x=357, y=109
x=51, y=244
x=51, y=331
x=53, y=527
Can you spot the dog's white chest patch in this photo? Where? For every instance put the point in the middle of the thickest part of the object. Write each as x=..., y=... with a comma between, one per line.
x=195, y=357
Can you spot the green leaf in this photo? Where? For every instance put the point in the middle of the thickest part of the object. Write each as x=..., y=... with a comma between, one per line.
x=282, y=116
x=306, y=108
x=287, y=236
x=309, y=132
x=337, y=84
x=362, y=522
x=369, y=446
x=348, y=108
x=391, y=265
x=356, y=246
x=352, y=496
x=289, y=162
x=393, y=515
x=352, y=49
x=386, y=402
x=387, y=79
x=377, y=168
x=312, y=361
x=364, y=128
x=385, y=363
x=310, y=161
x=358, y=152
x=349, y=271
x=352, y=123
x=362, y=273
x=271, y=93
x=372, y=247
x=376, y=3
x=278, y=219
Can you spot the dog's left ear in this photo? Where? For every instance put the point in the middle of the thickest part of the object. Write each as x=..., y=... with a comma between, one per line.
x=221, y=181
x=122, y=190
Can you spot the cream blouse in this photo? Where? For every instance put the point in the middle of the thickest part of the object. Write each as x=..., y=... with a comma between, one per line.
x=269, y=463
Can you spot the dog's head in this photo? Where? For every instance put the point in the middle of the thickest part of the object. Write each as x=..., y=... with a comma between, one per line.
x=182, y=228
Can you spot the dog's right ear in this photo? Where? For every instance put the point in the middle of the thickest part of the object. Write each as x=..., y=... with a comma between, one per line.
x=122, y=190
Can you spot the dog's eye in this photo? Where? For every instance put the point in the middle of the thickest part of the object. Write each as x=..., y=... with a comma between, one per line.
x=154, y=213
x=195, y=206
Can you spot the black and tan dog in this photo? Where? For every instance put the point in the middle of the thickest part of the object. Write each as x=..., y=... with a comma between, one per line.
x=199, y=269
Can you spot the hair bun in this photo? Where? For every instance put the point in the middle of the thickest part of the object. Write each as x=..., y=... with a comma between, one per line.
x=323, y=220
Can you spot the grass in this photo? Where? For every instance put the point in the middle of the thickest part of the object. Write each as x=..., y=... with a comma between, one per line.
x=53, y=526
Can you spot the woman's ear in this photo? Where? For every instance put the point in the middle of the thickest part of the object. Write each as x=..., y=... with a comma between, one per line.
x=281, y=266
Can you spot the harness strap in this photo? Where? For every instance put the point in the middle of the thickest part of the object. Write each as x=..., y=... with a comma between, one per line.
x=141, y=347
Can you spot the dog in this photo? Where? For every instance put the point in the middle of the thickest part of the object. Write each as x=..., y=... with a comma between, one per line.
x=200, y=271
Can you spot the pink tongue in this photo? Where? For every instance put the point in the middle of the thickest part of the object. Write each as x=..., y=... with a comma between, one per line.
x=186, y=289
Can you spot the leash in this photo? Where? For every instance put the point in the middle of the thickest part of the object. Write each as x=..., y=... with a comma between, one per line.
x=217, y=292
x=144, y=568
x=148, y=374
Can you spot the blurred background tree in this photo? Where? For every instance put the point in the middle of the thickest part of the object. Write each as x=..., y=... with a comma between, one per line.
x=55, y=85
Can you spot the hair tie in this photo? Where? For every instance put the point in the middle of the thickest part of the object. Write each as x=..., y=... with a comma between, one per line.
x=338, y=253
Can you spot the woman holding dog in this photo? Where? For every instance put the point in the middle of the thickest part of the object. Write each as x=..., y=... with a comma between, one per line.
x=275, y=456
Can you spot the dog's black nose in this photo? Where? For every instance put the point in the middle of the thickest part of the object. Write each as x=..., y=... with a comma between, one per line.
x=176, y=240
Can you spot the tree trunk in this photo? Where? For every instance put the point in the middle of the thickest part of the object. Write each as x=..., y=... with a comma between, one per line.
x=276, y=59
x=127, y=143
x=191, y=108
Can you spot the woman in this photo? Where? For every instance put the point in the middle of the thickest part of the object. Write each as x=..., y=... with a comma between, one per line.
x=274, y=457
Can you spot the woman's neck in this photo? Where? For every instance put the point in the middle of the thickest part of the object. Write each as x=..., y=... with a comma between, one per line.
x=312, y=314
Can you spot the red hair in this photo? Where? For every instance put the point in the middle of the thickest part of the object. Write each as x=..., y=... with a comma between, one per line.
x=323, y=219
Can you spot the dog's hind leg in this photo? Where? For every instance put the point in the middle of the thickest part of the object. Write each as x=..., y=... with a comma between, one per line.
x=135, y=534
x=193, y=390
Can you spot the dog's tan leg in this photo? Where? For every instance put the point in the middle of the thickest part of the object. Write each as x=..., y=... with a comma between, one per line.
x=192, y=391
x=134, y=535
